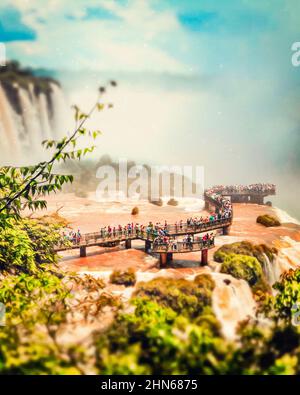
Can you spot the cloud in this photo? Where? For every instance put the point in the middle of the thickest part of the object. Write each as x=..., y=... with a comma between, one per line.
x=12, y=28
x=109, y=35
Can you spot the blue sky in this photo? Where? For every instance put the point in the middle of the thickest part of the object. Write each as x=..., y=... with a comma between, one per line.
x=176, y=36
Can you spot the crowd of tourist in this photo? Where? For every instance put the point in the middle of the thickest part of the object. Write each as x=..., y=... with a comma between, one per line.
x=160, y=232
x=258, y=188
x=189, y=242
x=72, y=236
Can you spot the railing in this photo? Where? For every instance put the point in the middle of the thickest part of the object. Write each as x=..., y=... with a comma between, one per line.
x=247, y=193
x=118, y=236
x=181, y=246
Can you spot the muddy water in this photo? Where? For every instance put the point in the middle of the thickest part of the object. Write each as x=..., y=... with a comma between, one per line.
x=232, y=300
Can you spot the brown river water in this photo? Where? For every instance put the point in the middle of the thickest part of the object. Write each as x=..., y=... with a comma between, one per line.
x=232, y=300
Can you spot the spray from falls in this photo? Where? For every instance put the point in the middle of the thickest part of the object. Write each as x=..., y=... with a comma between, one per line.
x=271, y=270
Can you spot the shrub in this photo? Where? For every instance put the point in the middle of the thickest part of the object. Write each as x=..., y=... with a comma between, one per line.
x=268, y=220
x=172, y=202
x=184, y=297
x=205, y=281
x=126, y=277
x=135, y=211
x=155, y=340
x=246, y=248
x=246, y=268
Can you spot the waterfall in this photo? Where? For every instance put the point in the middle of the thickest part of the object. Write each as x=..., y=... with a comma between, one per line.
x=289, y=254
x=31, y=119
x=9, y=140
x=271, y=270
x=60, y=118
x=232, y=302
x=28, y=116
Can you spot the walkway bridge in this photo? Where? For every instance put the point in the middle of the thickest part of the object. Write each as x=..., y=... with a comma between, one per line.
x=215, y=198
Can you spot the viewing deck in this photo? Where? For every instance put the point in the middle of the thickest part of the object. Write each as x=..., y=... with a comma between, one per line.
x=95, y=239
x=215, y=199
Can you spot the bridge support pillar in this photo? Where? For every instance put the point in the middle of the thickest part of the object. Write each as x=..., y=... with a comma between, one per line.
x=147, y=245
x=226, y=230
x=204, y=257
x=206, y=206
x=82, y=252
x=162, y=260
x=128, y=244
x=169, y=256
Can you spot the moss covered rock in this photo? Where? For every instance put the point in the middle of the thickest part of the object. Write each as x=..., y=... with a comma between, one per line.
x=135, y=211
x=247, y=268
x=268, y=220
x=246, y=248
x=125, y=277
x=188, y=298
x=158, y=202
x=172, y=202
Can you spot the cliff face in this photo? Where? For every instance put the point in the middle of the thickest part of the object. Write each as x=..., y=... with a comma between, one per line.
x=31, y=110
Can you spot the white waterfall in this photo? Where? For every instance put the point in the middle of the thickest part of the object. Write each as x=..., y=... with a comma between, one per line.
x=271, y=270
x=31, y=119
x=9, y=140
x=60, y=120
x=41, y=116
x=232, y=302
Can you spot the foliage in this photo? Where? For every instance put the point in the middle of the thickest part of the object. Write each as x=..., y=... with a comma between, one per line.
x=156, y=340
x=246, y=248
x=28, y=244
x=123, y=277
x=288, y=294
x=268, y=220
x=246, y=268
x=188, y=298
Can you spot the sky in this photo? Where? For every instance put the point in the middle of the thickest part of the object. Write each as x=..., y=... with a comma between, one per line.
x=204, y=82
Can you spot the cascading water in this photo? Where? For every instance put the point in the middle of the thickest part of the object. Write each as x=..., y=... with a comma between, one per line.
x=60, y=115
x=31, y=119
x=9, y=141
x=271, y=270
x=27, y=117
x=289, y=254
x=232, y=302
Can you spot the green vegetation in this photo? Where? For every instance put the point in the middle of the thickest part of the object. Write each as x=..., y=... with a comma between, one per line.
x=268, y=220
x=246, y=268
x=246, y=248
x=13, y=73
x=123, y=277
x=244, y=260
x=184, y=297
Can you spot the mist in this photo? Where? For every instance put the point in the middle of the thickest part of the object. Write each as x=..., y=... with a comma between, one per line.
x=240, y=131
